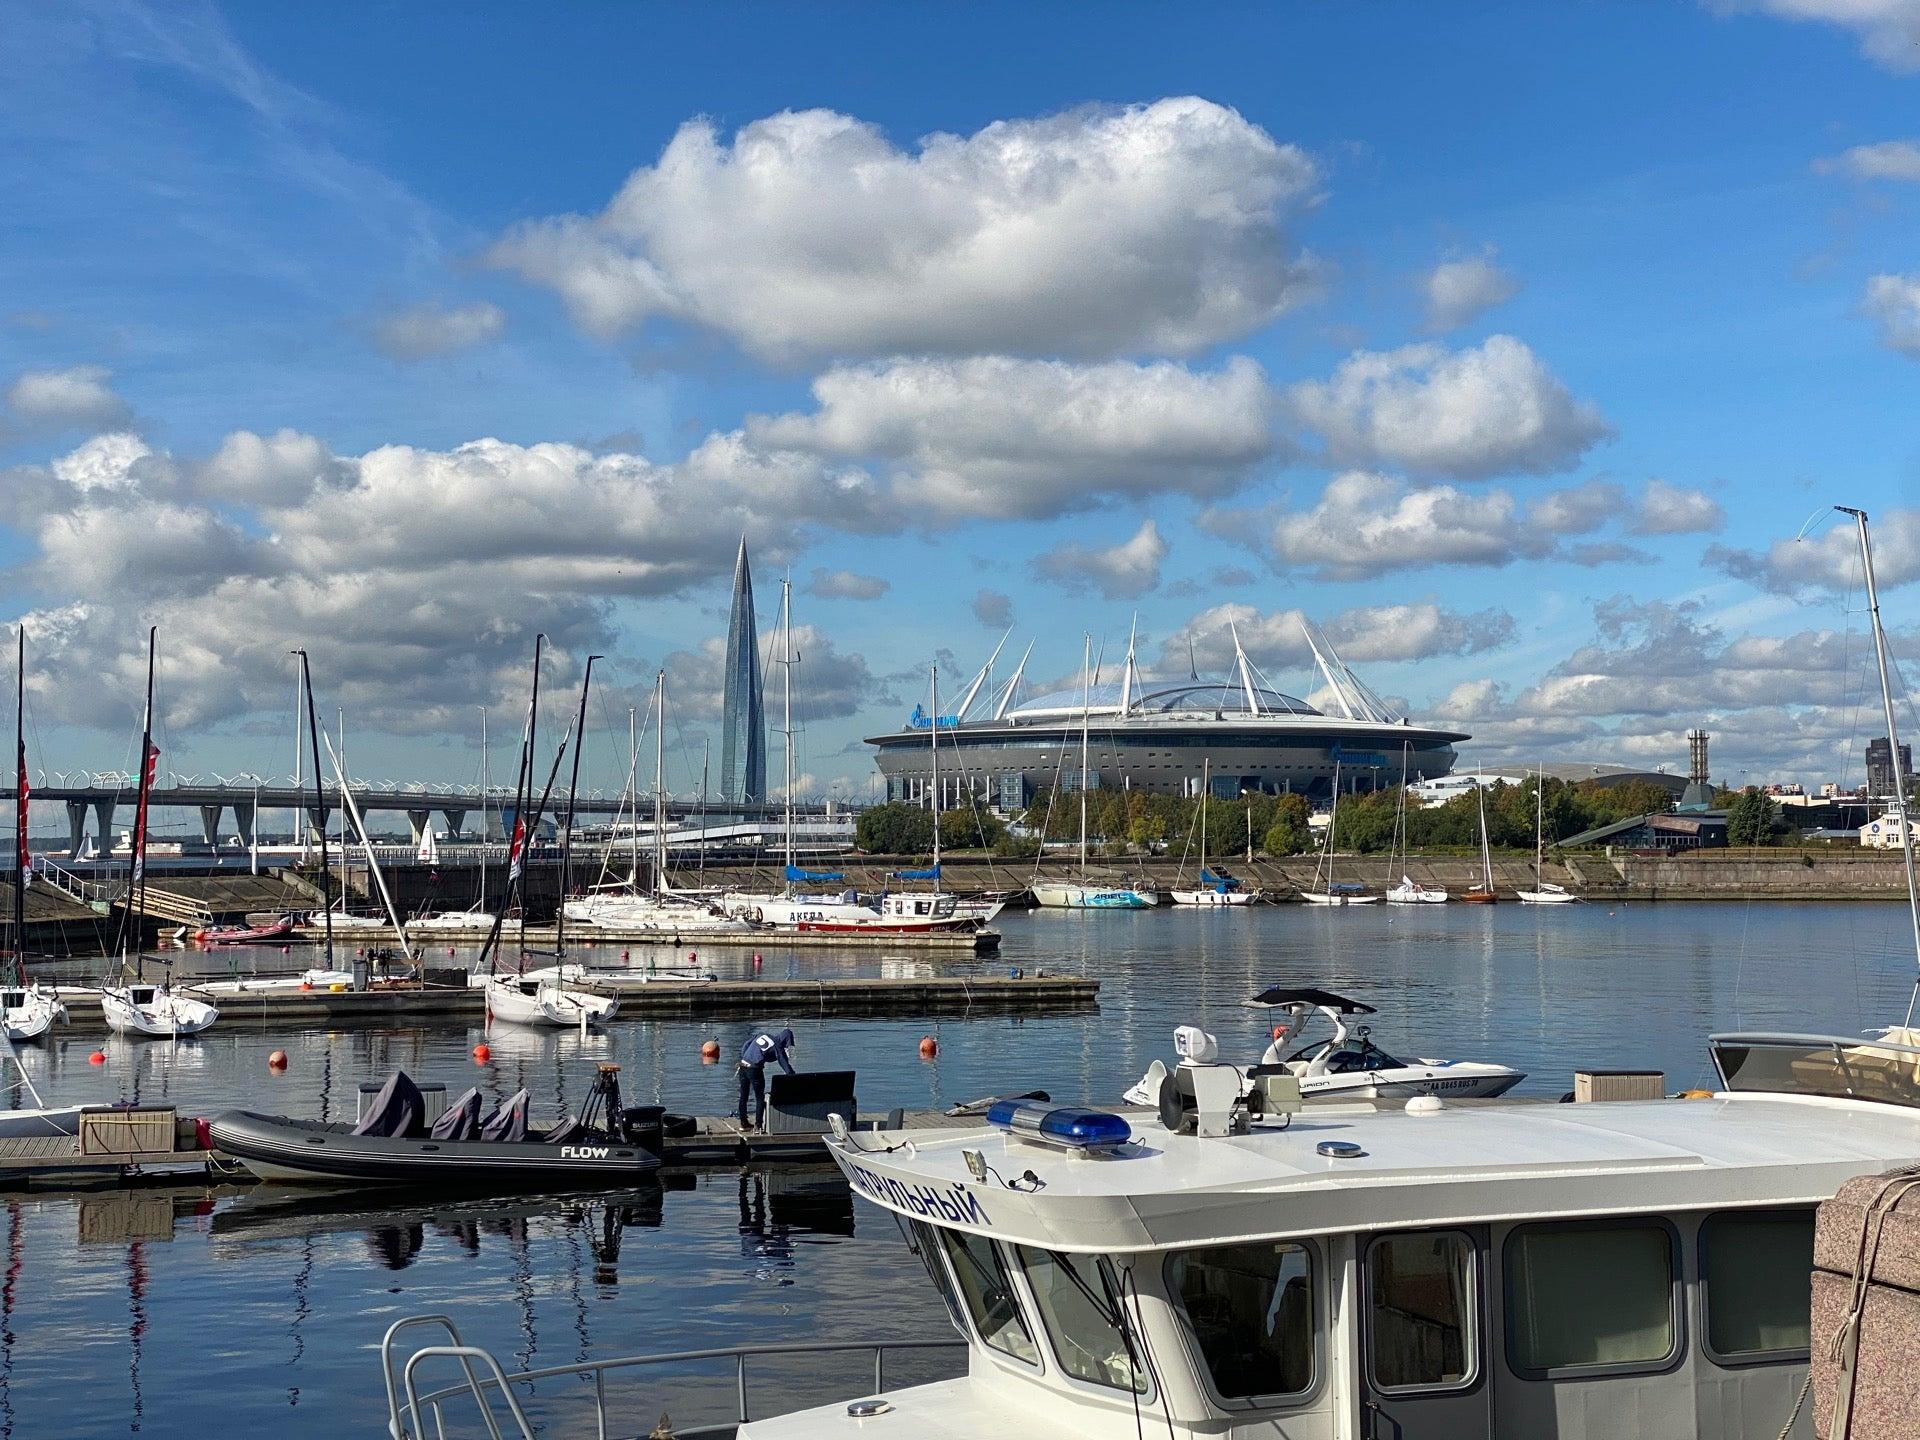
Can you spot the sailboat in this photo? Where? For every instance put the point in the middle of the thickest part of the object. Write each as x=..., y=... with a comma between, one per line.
x=1482, y=892
x=661, y=910
x=1214, y=890
x=26, y=1011
x=1544, y=891
x=1083, y=893
x=1406, y=892
x=132, y=1006
x=476, y=917
x=903, y=915
x=1325, y=891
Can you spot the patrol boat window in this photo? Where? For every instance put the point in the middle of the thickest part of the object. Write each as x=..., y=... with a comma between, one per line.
x=1420, y=1323
x=1585, y=1296
x=988, y=1290
x=1755, y=1265
x=1251, y=1309
x=1079, y=1304
x=921, y=1241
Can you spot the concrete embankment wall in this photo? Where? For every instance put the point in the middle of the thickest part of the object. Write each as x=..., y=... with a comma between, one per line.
x=1842, y=873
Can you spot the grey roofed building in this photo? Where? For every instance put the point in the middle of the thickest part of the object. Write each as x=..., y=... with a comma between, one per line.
x=743, y=736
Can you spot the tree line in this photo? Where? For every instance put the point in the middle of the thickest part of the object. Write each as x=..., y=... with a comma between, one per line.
x=1131, y=821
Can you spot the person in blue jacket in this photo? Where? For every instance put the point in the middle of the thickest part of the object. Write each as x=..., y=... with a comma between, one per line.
x=753, y=1072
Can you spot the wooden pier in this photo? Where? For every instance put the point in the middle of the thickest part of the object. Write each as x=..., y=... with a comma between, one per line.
x=643, y=997
x=542, y=937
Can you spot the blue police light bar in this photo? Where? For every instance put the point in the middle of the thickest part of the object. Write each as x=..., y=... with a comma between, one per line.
x=1059, y=1124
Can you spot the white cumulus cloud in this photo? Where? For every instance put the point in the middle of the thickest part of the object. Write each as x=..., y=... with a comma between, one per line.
x=846, y=585
x=1468, y=414
x=1894, y=301
x=1831, y=559
x=1124, y=571
x=1889, y=30
x=1376, y=633
x=1884, y=160
x=77, y=397
x=1459, y=291
x=997, y=437
x=1099, y=231
x=1664, y=509
x=431, y=329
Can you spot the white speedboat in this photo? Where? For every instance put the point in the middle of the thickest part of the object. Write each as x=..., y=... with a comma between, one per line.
x=154, y=1010
x=1408, y=893
x=28, y=1011
x=531, y=1000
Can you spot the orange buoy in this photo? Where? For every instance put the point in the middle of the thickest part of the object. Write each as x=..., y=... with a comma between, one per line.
x=756, y=959
x=277, y=1060
x=306, y=985
x=929, y=1047
x=626, y=955
x=97, y=1058
x=692, y=955
x=710, y=1052
x=449, y=952
x=482, y=1053
x=1278, y=1031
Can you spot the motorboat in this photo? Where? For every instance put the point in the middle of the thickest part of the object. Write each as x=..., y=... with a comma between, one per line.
x=276, y=928
x=28, y=1011
x=1422, y=1269
x=468, y=1145
x=155, y=1010
x=542, y=1000
x=903, y=913
x=984, y=907
x=1088, y=895
x=1348, y=1065
x=1408, y=893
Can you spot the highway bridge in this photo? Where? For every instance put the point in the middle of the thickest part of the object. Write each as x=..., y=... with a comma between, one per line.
x=100, y=795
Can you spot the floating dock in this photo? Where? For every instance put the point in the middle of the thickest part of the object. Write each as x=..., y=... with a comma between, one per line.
x=644, y=996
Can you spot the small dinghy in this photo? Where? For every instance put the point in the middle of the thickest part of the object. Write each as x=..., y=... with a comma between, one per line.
x=154, y=1010
x=29, y=1012
x=469, y=1145
x=275, y=929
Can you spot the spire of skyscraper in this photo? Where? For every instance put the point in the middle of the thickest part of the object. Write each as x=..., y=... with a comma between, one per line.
x=743, y=740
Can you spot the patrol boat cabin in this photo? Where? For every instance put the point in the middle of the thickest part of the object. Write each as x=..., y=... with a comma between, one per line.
x=1235, y=1266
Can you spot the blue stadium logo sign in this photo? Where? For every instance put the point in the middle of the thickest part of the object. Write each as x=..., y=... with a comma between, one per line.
x=1361, y=759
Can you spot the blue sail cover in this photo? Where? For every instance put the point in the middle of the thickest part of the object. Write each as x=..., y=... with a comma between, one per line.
x=1220, y=883
x=932, y=872
x=796, y=874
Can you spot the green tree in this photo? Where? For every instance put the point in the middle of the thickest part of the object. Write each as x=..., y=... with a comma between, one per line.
x=895, y=828
x=1752, y=819
x=1145, y=830
x=1287, y=832
x=971, y=829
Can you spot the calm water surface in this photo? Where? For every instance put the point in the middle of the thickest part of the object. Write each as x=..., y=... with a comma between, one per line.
x=256, y=1311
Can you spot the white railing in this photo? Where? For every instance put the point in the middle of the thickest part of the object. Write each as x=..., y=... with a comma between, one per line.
x=490, y=1391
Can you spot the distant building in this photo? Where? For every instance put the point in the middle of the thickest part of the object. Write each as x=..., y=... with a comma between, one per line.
x=1880, y=776
x=743, y=732
x=1884, y=833
x=1697, y=830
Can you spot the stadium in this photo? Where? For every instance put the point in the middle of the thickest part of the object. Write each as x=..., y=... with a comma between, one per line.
x=1158, y=736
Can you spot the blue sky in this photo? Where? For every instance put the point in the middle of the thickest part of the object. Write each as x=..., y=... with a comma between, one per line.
x=1596, y=303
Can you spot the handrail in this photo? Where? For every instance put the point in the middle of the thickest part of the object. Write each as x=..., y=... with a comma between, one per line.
x=407, y=1407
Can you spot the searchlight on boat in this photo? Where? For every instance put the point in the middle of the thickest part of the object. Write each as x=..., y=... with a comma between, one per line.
x=1066, y=1126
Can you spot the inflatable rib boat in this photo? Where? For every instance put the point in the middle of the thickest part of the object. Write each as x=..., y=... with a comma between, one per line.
x=394, y=1145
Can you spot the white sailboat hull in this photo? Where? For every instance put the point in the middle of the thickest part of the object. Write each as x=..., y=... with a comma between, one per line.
x=30, y=1012
x=1213, y=899
x=1548, y=895
x=1408, y=893
x=644, y=913
x=1074, y=895
x=1320, y=897
x=515, y=1001
x=154, y=1010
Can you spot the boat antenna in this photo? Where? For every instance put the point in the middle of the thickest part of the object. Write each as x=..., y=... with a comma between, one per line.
x=573, y=790
x=1893, y=743
x=320, y=804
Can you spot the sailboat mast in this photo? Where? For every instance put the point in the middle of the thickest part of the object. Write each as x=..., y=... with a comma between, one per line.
x=1333, y=825
x=632, y=797
x=1206, y=790
x=1486, y=851
x=22, y=865
x=1539, y=826
x=517, y=837
x=660, y=782
x=933, y=678
x=1086, y=706
x=526, y=839
x=786, y=664
x=136, y=850
x=1893, y=741
x=573, y=795
x=319, y=801
x=485, y=786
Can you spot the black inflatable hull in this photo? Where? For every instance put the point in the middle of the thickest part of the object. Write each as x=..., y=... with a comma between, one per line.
x=307, y=1152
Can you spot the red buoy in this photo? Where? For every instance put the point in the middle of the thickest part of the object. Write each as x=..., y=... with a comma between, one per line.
x=482, y=1053
x=929, y=1047
x=97, y=1058
x=277, y=1060
x=710, y=1052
